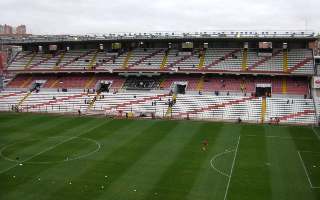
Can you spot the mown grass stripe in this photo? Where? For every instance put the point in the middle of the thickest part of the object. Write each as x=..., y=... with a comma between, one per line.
x=187, y=166
x=251, y=170
x=122, y=158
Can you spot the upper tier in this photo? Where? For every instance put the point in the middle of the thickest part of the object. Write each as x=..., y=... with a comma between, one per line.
x=212, y=60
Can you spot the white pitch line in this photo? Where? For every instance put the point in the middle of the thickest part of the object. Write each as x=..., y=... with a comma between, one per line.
x=315, y=132
x=35, y=155
x=315, y=152
x=50, y=162
x=233, y=162
x=213, y=160
x=48, y=149
x=306, y=172
x=281, y=137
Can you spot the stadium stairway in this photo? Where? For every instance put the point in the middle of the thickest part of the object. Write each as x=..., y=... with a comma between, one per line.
x=168, y=112
x=300, y=64
x=244, y=63
x=285, y=60
x=202, y=60
x=57, y=65
x=263, y=109
x=121, y=106
x=23, y=99
x=284, y=86
x=93, y=60
x=200, y=84
x=126, y=60
x=164, y=60
x=145, y=58
x=30, y=61
x=94, y=99
x=263, y=60
x=215, y=106
x=226, y=56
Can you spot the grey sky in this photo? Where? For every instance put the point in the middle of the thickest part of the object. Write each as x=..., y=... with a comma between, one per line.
x=104, y=16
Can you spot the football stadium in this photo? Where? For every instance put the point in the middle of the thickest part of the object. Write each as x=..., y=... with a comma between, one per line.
x=163, y=115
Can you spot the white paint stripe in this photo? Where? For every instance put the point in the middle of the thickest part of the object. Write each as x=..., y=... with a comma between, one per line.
x=41, y=152
x=50, y=148
x=280, y=137
x=98, y=145
x=316, y=152
x=306, y=171
x=233, y=163
x=213, y=160
x=315, y=132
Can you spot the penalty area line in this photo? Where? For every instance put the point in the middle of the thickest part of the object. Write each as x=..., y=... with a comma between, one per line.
x=316, y=133
x=233, y=163
x=306, y=171
x=52, y=147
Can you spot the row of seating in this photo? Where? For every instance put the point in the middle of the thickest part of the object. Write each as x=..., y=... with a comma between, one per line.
x=284, y=85
x=65, y=81
x=299, y=61
x=194, y=107
x=297, y=110
x=209, y=107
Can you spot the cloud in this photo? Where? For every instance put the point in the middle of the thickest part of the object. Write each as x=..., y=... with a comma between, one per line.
x=104, y=16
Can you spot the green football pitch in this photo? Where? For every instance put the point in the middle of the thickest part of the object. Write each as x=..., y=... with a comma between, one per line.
x=66, y=157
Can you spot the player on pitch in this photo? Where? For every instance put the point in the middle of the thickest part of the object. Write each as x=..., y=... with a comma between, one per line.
x=205, y=145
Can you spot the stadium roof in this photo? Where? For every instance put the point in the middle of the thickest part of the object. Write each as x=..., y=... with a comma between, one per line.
x=309, y=35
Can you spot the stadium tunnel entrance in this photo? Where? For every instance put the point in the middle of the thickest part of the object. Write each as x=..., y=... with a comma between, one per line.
x=103, y=86
x=37, y=85
x=180, y=87
x=263, y=90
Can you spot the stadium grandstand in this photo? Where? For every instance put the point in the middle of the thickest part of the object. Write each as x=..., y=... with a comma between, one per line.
x=259, y=77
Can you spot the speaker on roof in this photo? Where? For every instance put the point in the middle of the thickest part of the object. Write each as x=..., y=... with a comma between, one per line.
x=187, y=45
x=116, y=46
x=285, y=45
x=246, y=45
